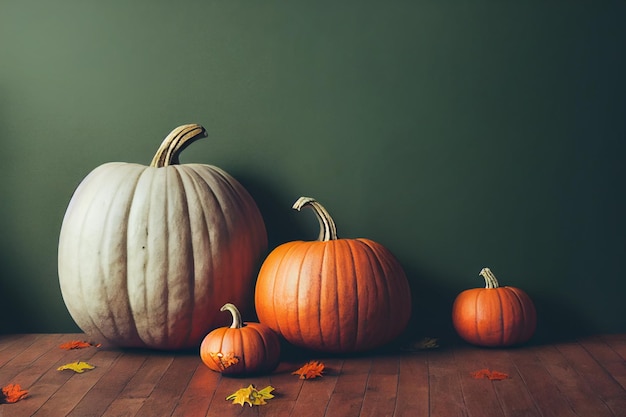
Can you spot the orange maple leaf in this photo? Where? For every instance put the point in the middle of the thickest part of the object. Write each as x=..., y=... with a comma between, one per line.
x=224, y=361
x=492, y=375
x=310, y=370
x=12, y=393
x=76, y=344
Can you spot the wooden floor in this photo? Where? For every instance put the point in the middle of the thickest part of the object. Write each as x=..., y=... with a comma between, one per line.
x=585, y=378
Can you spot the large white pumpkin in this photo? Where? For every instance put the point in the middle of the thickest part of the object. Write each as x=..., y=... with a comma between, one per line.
x=148, y=254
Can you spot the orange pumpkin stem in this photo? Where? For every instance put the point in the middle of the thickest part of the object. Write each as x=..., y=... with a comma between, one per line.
x=175, y=142
x=237, y=322
x=490, y=278
x=328, y=230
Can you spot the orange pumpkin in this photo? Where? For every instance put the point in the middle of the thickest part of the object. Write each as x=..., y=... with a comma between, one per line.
x=333, y=295
x=494, y=316
x=242, y=348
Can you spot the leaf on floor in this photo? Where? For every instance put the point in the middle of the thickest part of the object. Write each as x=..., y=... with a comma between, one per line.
x=77, y=344
x=492, y=375
x=310, y=370
x=78, y=367
x=12, y=393
x=251, y=395
x=422, y=344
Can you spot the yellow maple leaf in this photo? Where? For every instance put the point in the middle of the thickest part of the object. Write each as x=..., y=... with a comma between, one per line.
x=78, y=367
x=259, y=397
x=251, y=395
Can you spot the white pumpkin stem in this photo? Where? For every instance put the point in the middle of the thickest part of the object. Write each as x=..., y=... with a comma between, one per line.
x=175, y=142
x=490, y=278
x=237, y=322
x=328, y=230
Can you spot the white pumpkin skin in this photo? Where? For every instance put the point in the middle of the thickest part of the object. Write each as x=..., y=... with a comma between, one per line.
x=147, y=255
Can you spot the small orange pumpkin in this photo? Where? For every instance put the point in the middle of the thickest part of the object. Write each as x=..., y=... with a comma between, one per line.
x=333, y=295
x=494, y=316
x=242, y=348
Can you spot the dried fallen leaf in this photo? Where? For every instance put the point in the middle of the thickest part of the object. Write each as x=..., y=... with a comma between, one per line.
x=251, y=396
x=224, y=361
x=492, y=375
x=422, y=344
x=310, y=370
x=77, y=344
x=78, y=367
x=12, y=393
x=259, y=397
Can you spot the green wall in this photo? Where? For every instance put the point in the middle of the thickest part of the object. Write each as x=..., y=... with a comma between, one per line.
x=458, y=134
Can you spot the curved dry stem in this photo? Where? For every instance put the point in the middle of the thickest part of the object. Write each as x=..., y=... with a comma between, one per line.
x=490, y=278
x=175, y=142
x=237, y=323
x=328, y=230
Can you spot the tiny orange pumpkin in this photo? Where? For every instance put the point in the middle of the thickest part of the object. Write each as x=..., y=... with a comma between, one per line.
x=242, y=348
x=494, y=316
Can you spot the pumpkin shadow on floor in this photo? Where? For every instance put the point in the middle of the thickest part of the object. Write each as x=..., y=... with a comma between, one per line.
x=432, y=314
x=432, y=301
x=431, y=309
x=559, y=322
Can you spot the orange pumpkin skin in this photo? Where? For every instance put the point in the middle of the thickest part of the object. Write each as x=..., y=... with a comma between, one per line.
x=337, y=295
x=242, y=349
x=494, y=316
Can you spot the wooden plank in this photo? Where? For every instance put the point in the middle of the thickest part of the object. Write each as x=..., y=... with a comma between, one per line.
x=310, y=397
x=20, y=353
x=141, y=385
x=479, y=395
x=579, y=392
x=170, y=387
x=605, y=352
x=287, y=388
x=23, y=357
x=381, y=391
x=220, y=407
x=41, y=378
x=72, y=391
x=26, y=374
x=98, y=399
x=508, y=397
x=413, y=387
x=617, y=342
x=8, y=340
x=512, y=394
x=603, y=384
x=543, y=388
x=587, y=377
x=196, y=399
x=446, y=398
x=347, y=397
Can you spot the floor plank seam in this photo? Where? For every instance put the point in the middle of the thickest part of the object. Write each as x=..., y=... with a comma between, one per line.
x=525, y=382
x=339, y=373
x=563, y=394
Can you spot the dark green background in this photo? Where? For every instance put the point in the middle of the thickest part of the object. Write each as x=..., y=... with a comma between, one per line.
x=458, y=134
